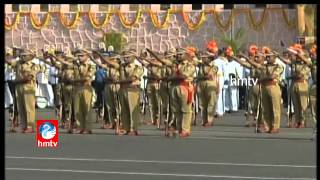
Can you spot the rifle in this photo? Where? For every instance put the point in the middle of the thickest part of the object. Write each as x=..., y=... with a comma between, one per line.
x=119, y=114
x=195, y=103
x=166, y=129
x=289, y=108
x=144, y=97
x=153, y=54
x=258, y=110
x=248, y=105
x=160, y=107
x=117, y=128
x=150, y=107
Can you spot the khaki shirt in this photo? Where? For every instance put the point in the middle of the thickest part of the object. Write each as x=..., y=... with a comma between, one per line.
x=25, y=69
x=300, y=70
x=209, y=69
x=84, y=71
x=268, y=70
x=154, y=71
x=113, y=73
x=132, y=70
x=187, y=69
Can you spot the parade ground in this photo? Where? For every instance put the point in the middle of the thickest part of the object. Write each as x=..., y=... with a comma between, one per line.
x=228, y=150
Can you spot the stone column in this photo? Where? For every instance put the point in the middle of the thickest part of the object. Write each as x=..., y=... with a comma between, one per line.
x=301, y=18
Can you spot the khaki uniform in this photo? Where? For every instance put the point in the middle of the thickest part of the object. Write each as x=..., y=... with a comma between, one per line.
x=130, y=96
x=182, y=96
x=153, y=91
x=66, y=76
x=208, y=88
x=83, y=93
x=271, y=95
x=165, y=88
x=111, y=91
x=299, y=90
x=254, y=97
x=67, y=92
x=313, y=92
x=25, y=92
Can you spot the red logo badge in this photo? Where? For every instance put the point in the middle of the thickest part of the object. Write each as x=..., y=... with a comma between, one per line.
x=47, y=133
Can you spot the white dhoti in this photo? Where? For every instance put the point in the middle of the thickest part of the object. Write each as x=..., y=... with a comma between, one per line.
x=8, y=100
x=220, y=102
x=45, y=90
x=231, y=98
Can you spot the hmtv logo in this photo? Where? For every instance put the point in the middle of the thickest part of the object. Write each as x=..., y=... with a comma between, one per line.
x=47, y=133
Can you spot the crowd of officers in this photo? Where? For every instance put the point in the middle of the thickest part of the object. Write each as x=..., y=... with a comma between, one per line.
x=177, y=84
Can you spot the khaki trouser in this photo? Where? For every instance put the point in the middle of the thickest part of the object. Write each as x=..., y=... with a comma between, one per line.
x=299, y=92
x=130, y=108
x=271, y=99
x=111, y=91
x=208, y=99
x=313, y=101
x=165, y=92
x=83, y=106
x=154, y=98
x=67, y=103
x=26, y=101
x=57, y=94
x=181, y=109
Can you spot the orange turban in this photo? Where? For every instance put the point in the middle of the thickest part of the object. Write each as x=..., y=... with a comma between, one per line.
x=212, y=46
x=297, y=47
x=253, y=49
x=191, y=51
x=266, y=50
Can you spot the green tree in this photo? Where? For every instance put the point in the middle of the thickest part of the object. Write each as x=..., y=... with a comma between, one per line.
x=116, y=40
x=237, y=42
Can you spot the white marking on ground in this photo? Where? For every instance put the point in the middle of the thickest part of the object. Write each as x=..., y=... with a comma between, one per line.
x=162, y=162
x=156, y=174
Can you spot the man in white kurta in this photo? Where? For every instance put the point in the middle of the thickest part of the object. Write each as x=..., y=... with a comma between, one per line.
x=233, y=71
x=221, y=62
x=44, y=89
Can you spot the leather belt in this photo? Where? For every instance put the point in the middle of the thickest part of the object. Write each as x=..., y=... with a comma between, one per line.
x=130, y=86
x=269, y=82
x=299, y=80
x=184, y=83
x=153, y=81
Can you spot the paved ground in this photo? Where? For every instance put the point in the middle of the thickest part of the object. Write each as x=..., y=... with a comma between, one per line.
x=226, y=151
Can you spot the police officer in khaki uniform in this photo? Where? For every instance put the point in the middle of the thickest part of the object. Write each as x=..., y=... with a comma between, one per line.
x=254, y=91
x=154, y=77
x=182, y=92
x=25, y=82
x=208, y=88
x=65, y=64
x=271, y=92
x=111, y=89
x=166, y=87
x=84, y=72
x=130, y=75
x=299, y=88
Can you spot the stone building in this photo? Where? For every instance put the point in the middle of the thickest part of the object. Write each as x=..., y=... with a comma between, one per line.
x=264, y=24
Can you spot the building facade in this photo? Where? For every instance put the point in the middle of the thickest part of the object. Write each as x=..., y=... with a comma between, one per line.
x=264, y=24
